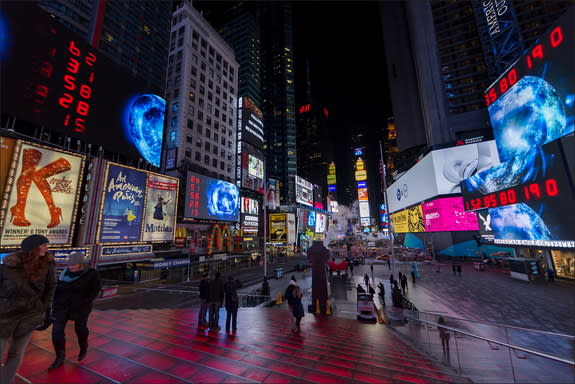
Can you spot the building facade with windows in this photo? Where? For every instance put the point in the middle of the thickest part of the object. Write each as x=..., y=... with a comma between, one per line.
x=201, y=90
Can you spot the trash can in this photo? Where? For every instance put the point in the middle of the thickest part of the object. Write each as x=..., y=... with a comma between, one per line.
x=279, y=273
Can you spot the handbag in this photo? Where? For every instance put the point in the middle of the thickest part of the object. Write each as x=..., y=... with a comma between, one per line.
x=47, y=321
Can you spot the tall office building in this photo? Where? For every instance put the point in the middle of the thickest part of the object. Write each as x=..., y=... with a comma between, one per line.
x=442, y=55
x=133, y=33
x=201, y=90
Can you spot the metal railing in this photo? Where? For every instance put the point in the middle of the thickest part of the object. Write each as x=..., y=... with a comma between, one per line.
x=488, y=352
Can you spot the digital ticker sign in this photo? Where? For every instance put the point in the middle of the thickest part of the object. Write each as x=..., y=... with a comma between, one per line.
x=51, y=77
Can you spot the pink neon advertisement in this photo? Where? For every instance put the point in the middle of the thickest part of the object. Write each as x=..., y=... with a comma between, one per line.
x=447, y=214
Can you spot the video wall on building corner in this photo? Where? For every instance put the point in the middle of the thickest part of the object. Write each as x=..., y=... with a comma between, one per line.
x=209, y=198
x=52, y=77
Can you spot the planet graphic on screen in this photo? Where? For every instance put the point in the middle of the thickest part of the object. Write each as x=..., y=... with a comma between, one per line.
x=144, y=125
x=530, y=114
x=223, y=200
x=518, y=222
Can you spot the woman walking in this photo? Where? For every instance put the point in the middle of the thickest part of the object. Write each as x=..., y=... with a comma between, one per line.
x=78, y=286
x=27, y=283
x=298, y=312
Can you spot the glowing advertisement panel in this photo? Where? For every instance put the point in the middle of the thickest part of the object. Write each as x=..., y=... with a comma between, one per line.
x=209, y=198
x=278, y=231
x=255, y=167
x=364, y=209
x=122, y=205
x=531, y=103
x=52, y=77
x=416, y=185
x=160, y=208
x=362, y=194
x=447, y=214
x=249, y=219
x=6, y=151
x=303, y=191
x=250, y=206
x=41, y=195
x=320, y=223
x=250, y=122
x=408, y=220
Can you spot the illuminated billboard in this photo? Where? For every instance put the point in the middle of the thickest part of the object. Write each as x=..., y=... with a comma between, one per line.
x=250, y=123
x=448, y=214
x=209, y=198
x=364, y=209
x=408, y=220
x=255, y=167
x=531, y=103
x=303, y=191
x=278, y=231
x=320, y=223
x=122, y=210
x=52, y=77
x=160, y=208
x=43, y=197
x=249, y=219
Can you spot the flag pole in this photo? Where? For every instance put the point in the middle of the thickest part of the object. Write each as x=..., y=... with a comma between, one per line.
x=392, y=256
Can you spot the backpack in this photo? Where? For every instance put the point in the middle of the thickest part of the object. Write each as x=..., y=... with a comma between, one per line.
x=289, y=292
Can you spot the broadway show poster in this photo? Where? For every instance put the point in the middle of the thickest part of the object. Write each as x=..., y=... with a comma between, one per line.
x=42, y=195
x=6, y=151
x=123, y=205
x=160, y=211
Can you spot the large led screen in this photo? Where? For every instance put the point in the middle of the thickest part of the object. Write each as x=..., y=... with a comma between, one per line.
x=278, y=231
x=208, y=198
x=160, y=208
x=122, y=205
x=320, y=223
x=51, y=77
x=364, y=209
x=250, y=123
x=255, y=167
x=303, y=191
x=448, y=214
x=532, y=101
x=408, y=220
x=41, y=194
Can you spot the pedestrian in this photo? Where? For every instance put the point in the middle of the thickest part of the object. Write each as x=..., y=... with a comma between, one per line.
x=351, y=267
x=399, y=277
x=298, y=312
x=216, y=298
x=204, y=296
x=29, y=272
x=289, y=294
x=381, y=293
x=232, y=302
x=388, y=262
x=454, y=268
x=366, y=279
x=444, y=335
x=370, y=289
x=359, y=289
x=550, y=275
x=459, y=269
x=78, y=286
x=403, y=283
x=371, y=268
x=413, y=276
x=265, y=288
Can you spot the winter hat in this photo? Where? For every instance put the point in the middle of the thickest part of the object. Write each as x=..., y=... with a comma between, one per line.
x=76, y=258
x=32, y=242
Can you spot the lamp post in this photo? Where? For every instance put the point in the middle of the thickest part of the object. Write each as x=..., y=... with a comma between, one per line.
x=392, y=256
x=265, y=236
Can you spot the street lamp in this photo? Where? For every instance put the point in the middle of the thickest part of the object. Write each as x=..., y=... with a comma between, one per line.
x=392, y=256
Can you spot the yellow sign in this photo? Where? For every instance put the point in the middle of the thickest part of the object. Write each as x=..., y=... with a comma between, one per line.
x=408, y=220
x=278, y=227
x=359, y=165
x=399, y=221
x=331, y=168
x=362, y=194
x=360, y=175
x=331, y=179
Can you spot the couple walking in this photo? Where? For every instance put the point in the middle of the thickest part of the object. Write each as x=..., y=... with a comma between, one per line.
x=293, y=295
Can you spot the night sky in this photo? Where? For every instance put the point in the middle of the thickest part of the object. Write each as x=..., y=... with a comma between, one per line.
x=344, y=44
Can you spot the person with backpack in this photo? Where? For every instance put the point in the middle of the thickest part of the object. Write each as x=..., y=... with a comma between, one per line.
x=297, y=307
x=215, y=301
x=204, y=296
x=78, y=286
x=27, y=284
x=232, y=302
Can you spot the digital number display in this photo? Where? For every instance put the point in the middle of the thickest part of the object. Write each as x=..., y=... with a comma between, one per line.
x=535, y=55
x=534, y=191
x=193, y=200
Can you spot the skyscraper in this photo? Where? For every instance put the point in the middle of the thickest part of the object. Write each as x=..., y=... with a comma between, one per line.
x=134, y=34
x=201, y=90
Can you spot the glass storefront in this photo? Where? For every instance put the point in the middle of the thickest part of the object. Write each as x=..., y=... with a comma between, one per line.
x=564, y=262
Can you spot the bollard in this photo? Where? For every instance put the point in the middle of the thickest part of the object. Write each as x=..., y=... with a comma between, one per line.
x=279, y=298
x=317, y=308
x=327, y=308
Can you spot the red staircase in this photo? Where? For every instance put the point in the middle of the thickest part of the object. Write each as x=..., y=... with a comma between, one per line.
x=165, y=346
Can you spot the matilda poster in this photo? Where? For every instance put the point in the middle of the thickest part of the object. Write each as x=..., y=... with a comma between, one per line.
x=42, y=195
x=160, y=208
x=123, y=205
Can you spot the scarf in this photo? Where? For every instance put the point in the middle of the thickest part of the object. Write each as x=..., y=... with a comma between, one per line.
x=68, y=276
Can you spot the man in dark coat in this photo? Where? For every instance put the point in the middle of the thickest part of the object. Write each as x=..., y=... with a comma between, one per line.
x=232, y=302
x=204, y=297
x=318, y=256
x=78, y=286
x=215, y=301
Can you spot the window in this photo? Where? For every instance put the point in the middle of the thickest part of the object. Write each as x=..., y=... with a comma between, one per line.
x=195, y=59
x=189, y=139
x=188, y=154
x=206, y=159
x=200, y=128
x=216, y=137
x=198, y=156
x=215, y=149
x=194, y=70
x=202, y=78
x=208, y=134
x=217, y=92
x=207, y=145
x=200, y=115
x=223, y=154
x=210, y=96
x=192, y=97
x=208, y=120
x=214, y=162
x=198, y=142
x=223, y=141
x=190, y=124
x=222, y=165
x=217, y=113
x=210, y=84
x=202, y=90
x=192, y=83
x=216, y=124
x=203, y=66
